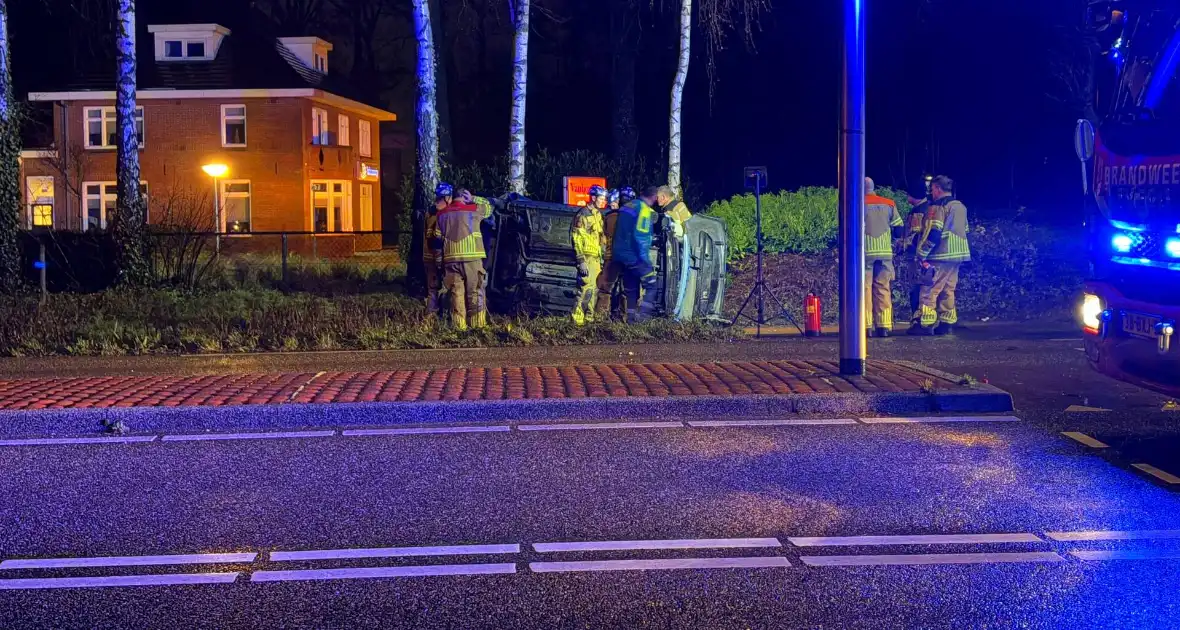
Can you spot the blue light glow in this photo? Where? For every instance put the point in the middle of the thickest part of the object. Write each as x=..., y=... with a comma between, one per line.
x=1173, y=247
x=1121, y=243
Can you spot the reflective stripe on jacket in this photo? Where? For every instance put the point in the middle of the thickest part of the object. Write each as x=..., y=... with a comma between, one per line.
x=586, y=234
x=632, y=240
x=945, y=235
x=881, y=217
x=459, y=226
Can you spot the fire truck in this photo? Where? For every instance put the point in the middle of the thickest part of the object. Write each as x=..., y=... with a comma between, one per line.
x=1131, y=303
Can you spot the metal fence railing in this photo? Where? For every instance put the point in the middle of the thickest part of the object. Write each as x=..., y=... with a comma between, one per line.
x=295, y=261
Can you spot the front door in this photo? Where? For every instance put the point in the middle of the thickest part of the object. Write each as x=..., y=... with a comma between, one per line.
x=366, y=208
x=331, y=206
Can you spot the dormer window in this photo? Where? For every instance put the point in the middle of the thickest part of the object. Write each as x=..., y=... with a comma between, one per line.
x=187, y=42
x=321, y=63
x=308, y=52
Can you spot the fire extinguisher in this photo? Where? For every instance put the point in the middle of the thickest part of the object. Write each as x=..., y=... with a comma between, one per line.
x=812, y=323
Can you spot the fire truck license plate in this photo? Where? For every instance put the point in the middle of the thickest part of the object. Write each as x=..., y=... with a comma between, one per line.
x=1140, y=325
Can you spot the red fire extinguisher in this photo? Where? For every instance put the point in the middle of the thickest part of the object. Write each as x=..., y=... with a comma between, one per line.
x=812, y=324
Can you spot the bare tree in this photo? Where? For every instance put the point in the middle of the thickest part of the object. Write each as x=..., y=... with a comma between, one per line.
x=678, y=95
x=520, y=71
x=131, y=214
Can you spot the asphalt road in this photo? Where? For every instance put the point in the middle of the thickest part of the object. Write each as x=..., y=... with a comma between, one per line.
x=746, y=504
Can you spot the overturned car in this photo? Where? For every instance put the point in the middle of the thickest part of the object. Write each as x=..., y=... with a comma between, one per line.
x=532, y=269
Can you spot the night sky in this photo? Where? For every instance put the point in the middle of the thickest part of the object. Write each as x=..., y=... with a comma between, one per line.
x=958, y=87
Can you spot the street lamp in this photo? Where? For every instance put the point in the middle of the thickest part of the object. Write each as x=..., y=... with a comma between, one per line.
x=853, y=321
x=216, y=171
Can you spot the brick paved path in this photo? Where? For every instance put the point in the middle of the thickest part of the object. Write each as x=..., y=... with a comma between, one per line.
x=507, y=383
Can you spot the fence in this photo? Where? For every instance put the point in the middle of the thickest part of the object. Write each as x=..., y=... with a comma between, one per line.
x=337, y=262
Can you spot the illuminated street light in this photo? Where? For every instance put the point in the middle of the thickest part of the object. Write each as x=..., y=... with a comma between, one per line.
x=216, y=171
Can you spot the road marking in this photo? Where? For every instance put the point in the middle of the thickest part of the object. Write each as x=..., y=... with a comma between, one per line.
x=120, y=580
x=423, y=430
x=769, y=423
x=648, y=565
x=1127, y=554
x=392, y=552
x=383, y=572
x=1085, y=409
x=934, y=419
x=1162, y=475
x=1142, y=534
x=930, y=558
x=598, y=425
x=930, y=539
x=628, y=545
x=114, y=439
x=127, y=561
x=203, y=437
x=1085, y=439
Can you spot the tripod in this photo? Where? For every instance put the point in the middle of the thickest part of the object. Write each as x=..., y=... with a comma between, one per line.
x=760, y=289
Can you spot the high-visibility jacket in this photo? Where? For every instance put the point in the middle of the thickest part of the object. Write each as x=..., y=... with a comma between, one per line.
x=945, y=234
x=632, y=240
x=678, y=211
x=610, y=218
x=915, y=223
x=458, y=224
x=430, y=237
x=586, y=233
x=882, y=222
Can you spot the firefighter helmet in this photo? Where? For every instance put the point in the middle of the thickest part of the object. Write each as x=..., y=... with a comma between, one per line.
x=444, y=190
x=626, y=193
x=596, y=191
x=612, y=196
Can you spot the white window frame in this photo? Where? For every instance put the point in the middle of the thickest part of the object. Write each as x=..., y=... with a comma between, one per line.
x=108, y=116
x=225, y=118
x=366, y=217
x=184, y=53
x=345, y=196
x=342, y=130
x=319, y=126
x=319, y=62
x=226, y=194
x=183, y=48
x=103, y=195
x=364, y=133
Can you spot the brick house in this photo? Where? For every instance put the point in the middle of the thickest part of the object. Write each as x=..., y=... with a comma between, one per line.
x=249, y=134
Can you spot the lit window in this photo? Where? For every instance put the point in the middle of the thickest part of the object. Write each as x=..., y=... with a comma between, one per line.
x=331, y=206
x=101, y=130
x=43, y=215
x=39, y=195
x=365, y=138
x=99, y=200
x=233, y=125
x=235, y=206
x=319, y=126
x=173, y=50
x=342, y=134
x=195, y=49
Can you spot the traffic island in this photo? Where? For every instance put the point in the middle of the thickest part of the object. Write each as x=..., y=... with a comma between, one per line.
x=601, y=391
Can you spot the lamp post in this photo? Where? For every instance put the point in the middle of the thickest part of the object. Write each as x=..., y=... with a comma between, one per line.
x=852, y=194
x=216, y=171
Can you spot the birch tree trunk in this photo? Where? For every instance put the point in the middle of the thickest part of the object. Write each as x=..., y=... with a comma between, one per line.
x=10, y=271
x=130, y=212
x=520, y=71
x=678, y=96
x=426, y=113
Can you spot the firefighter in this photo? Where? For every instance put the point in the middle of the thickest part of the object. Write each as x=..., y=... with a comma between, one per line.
x=626, y=194
x=673, y=208
x=609, y=278
x=631, y=251
x=432, y=243
x=883, y=225
x=463, y=256
x=942, y=250
x=587, y=236
x=919, y=201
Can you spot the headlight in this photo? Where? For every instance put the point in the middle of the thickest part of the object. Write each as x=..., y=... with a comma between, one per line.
x=1092, y=312
x=1173, y=247
x=1121, y=243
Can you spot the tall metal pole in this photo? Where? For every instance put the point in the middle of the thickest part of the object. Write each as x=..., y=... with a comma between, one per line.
x=852, y=194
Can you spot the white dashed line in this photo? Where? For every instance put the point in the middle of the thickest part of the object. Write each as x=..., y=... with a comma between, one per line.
x=1143, y=534
x=933, y=539
x=423, y=430
x=383, y=572
x=120, y=580
x=629, y=545
x=937, y=419
x=1085, y=439
x=1128, y=554
x=276, y=435
x=650, y=565
x=392, y=552
x=930, y=558
x=114, y=439
x=1162, y=475
x=770, y=423
x=599, y=425
x=128, y=561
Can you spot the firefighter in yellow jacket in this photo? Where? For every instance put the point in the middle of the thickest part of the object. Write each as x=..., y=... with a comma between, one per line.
x=883, y=225
x=586, y=232
x=463, y=256
x=432, y=247
x=942, y=250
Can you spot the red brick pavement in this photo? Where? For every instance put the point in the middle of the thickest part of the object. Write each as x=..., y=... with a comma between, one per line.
x=506, y=383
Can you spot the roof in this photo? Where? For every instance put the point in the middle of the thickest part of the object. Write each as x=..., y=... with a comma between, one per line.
x=249, y=58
